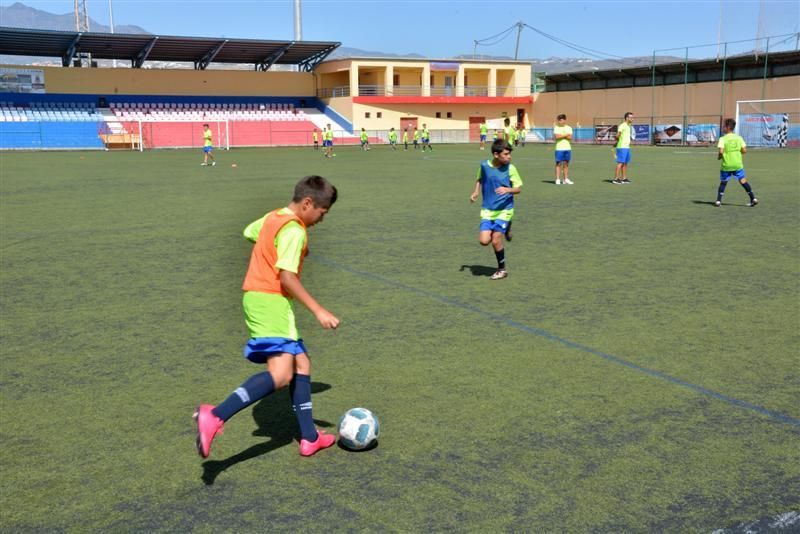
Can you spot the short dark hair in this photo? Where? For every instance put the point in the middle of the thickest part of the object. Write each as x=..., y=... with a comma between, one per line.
x=205, y=126
x=562, y=116
x=321, y=192
x=506, y=121
x=628, y=114
x=500, y=145
x=730, y=124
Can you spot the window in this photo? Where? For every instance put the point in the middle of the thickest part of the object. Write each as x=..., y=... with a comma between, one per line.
x=432, y=80
x=396, y=79
x=449, y=114
x=438, y=114
x=379, y=114
x=366, y=115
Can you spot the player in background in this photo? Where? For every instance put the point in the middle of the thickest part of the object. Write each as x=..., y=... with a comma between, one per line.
x=622, y=150
x=405, y=138
x=426, y=138
x=316, y=139
x=327, y=142
x=562, y=135
x=484, y=129
x=731, y=149
x=416, y=137
x=497, y=183
x=208, y=146
x=393, y=139
x=508, y=131
x=364, y=140
x=270, y=286
x=521, y=135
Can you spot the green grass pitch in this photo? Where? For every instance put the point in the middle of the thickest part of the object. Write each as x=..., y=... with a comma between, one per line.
x=637, y=371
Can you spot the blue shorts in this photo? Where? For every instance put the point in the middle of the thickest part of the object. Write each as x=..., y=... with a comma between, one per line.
x=495, y=225
x=259, y=349
x=327, y=142
x=208, y=149
x=724, y=176
x=623, y=155
x=563, y=155
x=483, y=137
x=426, y=140
x=364, y=142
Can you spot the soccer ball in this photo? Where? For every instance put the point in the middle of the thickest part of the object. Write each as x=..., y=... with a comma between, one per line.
x=358, y=429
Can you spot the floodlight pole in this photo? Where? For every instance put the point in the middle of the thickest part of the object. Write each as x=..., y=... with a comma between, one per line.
x=298, y=21
x=111, y=24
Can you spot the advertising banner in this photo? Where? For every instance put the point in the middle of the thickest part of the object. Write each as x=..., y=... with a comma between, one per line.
x=13, y=80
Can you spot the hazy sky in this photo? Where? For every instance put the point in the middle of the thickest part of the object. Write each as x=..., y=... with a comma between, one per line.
x=437, y=28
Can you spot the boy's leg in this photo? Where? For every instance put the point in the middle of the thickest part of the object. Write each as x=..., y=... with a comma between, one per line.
x=720, y=192
x=500, y=254
x=558, y=173
x=210, y=419
x=750, y=193
x=311, y=440
x=565, y=172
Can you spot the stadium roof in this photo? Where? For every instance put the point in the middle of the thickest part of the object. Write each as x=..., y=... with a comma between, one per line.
x=140, y=48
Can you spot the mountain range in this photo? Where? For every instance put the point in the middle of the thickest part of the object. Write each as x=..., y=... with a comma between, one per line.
x=19, y=15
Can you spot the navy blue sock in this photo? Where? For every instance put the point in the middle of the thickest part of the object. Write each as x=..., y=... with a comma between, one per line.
x=501, y=258
x=721, y=190
x=749, y=190
x=300, y=390
x=255, y=388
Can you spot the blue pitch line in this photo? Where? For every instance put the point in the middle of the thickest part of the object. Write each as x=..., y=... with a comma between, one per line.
x=777, y=416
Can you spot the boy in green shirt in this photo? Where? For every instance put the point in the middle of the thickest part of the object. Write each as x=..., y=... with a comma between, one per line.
x=416, y=137
x=622, y=150
x=484, y=130
x=562, y=135
x=393, y=139
x=364, y=140
x=731, y=148
x=405, y=139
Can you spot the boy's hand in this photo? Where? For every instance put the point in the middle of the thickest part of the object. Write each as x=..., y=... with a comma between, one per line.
x=473, y=197
x=327, y=319
x=502, y=190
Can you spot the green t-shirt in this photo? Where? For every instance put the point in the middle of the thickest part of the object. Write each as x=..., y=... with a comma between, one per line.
x=416, y=134
x=624, y=131
x=508, y=133
x=405, y=137
x=207, y=138
x=563, y=144
x=484, y=129
x=731, y=145
x=392, y=136
x=271, y=314
x=364, y=136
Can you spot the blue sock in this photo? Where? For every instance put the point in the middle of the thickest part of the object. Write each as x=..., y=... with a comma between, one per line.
x=721, y=190
x=300, y=390
x=501, y=258
x=255, y=388
x=749, y=190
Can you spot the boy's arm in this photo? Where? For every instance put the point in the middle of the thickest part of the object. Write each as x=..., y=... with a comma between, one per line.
x=477, y=189
x=291, y=283
x=516, y=183
x=252, y=230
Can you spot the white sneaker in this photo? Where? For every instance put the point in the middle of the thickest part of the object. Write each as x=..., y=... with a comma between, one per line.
x=753, y=203
x=203, y=164
x=213, y=163
x=558, y=182
x=569, y=182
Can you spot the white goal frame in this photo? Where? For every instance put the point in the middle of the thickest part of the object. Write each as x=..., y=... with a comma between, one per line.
x=210, y=122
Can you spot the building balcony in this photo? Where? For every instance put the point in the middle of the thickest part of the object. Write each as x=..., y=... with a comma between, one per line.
x=415, y=94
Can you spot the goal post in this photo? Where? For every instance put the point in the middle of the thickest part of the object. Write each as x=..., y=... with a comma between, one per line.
x=180, y=133
x=769, y=123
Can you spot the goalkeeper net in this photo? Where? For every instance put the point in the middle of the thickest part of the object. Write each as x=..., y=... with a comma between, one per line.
x=769, y=123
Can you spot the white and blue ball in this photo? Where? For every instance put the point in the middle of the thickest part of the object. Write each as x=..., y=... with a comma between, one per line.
x=358, y=429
